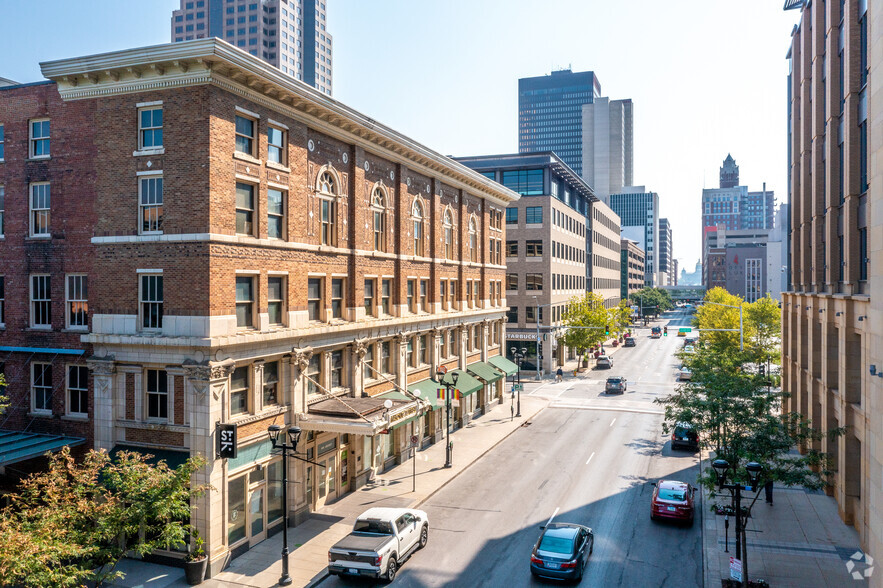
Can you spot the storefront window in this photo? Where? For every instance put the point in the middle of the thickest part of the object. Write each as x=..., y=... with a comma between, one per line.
x=235, y=510
x=274, y=491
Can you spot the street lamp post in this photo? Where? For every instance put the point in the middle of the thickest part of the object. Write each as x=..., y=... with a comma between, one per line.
x=519, y=359
x=294, y=435
x=753, y=468
x=449, y=387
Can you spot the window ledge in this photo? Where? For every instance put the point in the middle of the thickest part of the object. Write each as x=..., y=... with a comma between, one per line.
x=39, y=158
x=40, y=329
x=278, y=166
x=75, y=330
x=143, y=152
x=80, y=418
x=43, y=414
x=246, y=157
x=38, y=237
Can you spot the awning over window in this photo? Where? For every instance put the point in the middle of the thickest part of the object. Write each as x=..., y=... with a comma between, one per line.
x=485, y=371
x=466, y=384
x=500, y=362
x=16, y=446
x=172, y=458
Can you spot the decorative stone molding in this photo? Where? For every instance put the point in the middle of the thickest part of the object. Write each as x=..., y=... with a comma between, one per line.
x=202, y=375
x=360, y=348
x=101, y=366
x=302, y=357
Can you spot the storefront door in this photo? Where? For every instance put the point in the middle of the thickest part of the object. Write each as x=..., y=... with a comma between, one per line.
x=257, y=518
x=326, y=481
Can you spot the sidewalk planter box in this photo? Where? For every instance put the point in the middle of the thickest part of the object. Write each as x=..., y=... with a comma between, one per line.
x=194, y=571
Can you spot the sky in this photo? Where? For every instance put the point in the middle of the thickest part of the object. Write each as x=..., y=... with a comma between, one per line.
x=707, y=77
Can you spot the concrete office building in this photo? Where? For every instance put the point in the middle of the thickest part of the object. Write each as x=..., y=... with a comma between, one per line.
x=832, y=316
x=608, y=150
x=290, y=34
x=638, y=211
x=739, y=261
x=632, y=271
x=560, y=244
x=667, y=270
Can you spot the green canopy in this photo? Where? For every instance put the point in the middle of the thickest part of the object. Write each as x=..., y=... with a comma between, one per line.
x=427, y=390
x=485, y=371
x=500, y=362
x=466, y=384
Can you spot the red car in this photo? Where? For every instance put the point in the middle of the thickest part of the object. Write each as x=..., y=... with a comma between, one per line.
x=672, y=500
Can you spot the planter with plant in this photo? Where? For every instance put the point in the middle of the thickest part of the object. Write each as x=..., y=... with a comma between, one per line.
x=196, y=561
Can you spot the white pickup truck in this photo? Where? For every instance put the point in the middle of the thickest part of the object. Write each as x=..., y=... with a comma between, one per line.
x=382, y=538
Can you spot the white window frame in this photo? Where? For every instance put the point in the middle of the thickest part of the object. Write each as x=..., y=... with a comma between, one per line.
x=68, y=389
x=253, y=209
x=144, y=303
x=253, y=137
x=34, y=408
x=249, y=377
x=35, y=301
x=150, y=107
x=283, y=307
x=282, y=149
x=32, y=140
x=76, y=291
x=252, y=302
x=144, y=181
x=148, y=393
x=277, y=215
x=42, y=211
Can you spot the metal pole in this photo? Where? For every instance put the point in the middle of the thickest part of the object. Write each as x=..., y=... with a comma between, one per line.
x=284, y=579
x=737, y=497
x=538, y=341
x=741, y=332
x=518, y=413
x=448, y=426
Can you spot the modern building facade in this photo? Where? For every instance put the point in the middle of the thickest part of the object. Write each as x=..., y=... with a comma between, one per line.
x=632, y=272
x=832, y=316
x=263, y=256
x=559, y=245
x=550, y=114
x=608, y=149
x=667, y=270
x=289, y=34
x=638, y=211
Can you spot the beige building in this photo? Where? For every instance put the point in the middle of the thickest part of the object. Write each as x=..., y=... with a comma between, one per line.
x=832, y=323
x=632, y=268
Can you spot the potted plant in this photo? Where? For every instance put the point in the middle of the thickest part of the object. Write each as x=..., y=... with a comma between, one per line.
x=196, y=561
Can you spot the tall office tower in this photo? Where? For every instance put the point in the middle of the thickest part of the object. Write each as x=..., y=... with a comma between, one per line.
x=608, y=151
x=832, y=316
x=550, y=113
x=666, y=261
x=638, y=210
x=729, y=173
x=289, y=34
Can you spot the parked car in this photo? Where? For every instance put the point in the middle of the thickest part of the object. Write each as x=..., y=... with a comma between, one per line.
x=690, y=341
x=685, y=373
x=684, y=435
x=381, y=540
x=562, y=551
x=615, y=385
x=630, y=342
x=688, y=349
x=672, y=500
x=604, y=361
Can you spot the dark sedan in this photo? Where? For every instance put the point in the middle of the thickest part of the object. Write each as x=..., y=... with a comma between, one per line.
x=562, y=551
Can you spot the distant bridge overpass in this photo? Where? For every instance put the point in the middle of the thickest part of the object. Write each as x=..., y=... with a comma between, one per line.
x=685, y=293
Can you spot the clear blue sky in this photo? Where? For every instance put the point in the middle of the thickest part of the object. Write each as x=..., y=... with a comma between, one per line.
x=707, y=76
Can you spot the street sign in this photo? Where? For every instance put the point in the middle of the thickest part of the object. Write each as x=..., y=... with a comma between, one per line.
x=736, y=569
x=518, y=387
x=226, y=441
x=414, y=439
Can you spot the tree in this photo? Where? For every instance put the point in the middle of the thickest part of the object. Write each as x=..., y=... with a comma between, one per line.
x=620, y=316
x=764, y=324
x=585, y=311
x=719, y=311
x=4, y=400
x=72, y=523
x=654, y=300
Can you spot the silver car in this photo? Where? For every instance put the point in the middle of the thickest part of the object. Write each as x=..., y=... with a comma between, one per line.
x=604, y=361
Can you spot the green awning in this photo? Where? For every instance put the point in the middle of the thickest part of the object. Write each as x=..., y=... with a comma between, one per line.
x=173, y=459
x=427, y=390
x=500, y=362
x=16, y=446
x=485, y=371
x=466, y=384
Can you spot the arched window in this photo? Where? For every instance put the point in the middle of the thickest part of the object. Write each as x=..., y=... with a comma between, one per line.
x=326, y=185
x=378, y=210
x=449, y=235
x=417, y=218
x=473, y=241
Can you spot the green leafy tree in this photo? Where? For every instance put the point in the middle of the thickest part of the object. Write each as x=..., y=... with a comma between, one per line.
x=764, y=323
x=72, y=523
x=4, y=400
x=720, y=310
x=585, y=311
x=620, y=317
x=654, y=300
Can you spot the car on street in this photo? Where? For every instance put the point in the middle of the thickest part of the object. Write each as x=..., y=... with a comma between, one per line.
x=689, y=349
x=684, y=435
x=685, y=373
x=656, y=332
x=630, y=342
x=690, y=341
x=615, y=385
x=672, y=500
x=604, y=361
x=381, y=539
x=562, y=551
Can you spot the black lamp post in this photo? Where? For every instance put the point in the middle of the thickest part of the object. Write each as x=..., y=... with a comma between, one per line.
x=721, y=466
x=449, y=386
x=519, y=359
x=294, y=435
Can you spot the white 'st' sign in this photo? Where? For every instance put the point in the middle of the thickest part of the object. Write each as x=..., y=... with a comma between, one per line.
x=226, y=441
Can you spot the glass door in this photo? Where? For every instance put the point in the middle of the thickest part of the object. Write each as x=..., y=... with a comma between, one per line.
x=257, y=506
x=326, y=479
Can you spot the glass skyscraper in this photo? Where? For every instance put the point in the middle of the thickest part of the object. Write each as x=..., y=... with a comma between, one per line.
x=550, y=114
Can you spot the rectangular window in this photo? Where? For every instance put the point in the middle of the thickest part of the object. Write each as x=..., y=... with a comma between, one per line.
x=443, y=345
x=39, y=141
x=454, y=349
x=41, y=387
x=275, y=213
x=151, y=203
x=313, y=374
x=862, y=262
x=244, y=302
x=368, y=363
x=386, y=297
x=244, y=209
x=314, y=298
x=151, y=301
x=410, y=352
x=511, y=216
x=337, y=380
x=276, y=145
x=39, y=202
x=157, y=394
x=2, y=208
x=527, y=182
x=337, y=298
x=534, y=281
x=476, y=338
x=328, y=213
x=150, y=128
x=245, y=133
x=276, y=300
x=424, y=294
x=41, y=302
x=2, y=143
x=423, y=352
x=412, y=295
x=511, y=248
x=77, y=389
x=271, y=383
x=77, y=297
x=530, y=314
x=534, y=248
x=533, y=215
x=369, y=297
x=239, y=390
x=442, y=293
x=2, y=300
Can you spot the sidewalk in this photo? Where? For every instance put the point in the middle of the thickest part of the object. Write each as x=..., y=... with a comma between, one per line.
x=798, y=541
x=309, y=542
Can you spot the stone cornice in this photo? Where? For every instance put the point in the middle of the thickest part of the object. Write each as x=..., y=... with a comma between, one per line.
x=217, y=62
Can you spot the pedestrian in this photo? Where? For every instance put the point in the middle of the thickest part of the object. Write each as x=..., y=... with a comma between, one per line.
x=559, y=375
x=768, y=489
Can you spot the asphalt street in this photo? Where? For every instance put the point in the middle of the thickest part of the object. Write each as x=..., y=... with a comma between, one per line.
x=588, y=458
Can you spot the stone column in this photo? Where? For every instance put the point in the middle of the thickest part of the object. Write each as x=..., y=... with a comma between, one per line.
x=300, y=362
x=357, y=374
x=297, y=500
x=257, y=388
x=207, y=385
x=401, y=378
x=103, y=401
x=485, y=327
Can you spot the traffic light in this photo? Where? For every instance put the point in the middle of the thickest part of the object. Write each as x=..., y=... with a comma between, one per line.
x=665, y=331
x=607, y=330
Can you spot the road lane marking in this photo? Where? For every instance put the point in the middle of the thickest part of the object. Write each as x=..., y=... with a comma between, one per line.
x=613, y=421
x=553, y=516
x=590, y=458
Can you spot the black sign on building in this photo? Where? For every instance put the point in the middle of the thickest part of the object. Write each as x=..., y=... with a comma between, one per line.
x=226, y=441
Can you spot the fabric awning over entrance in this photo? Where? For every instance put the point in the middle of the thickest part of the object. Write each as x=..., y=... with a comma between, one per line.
x=16, y=446
x=466, y=384
x=485, y=371
x=172, y=458
x=402, y=414
x=357, y=416
x=500, y=362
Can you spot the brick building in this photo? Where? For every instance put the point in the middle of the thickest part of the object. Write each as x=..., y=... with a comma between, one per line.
x=263, y=255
